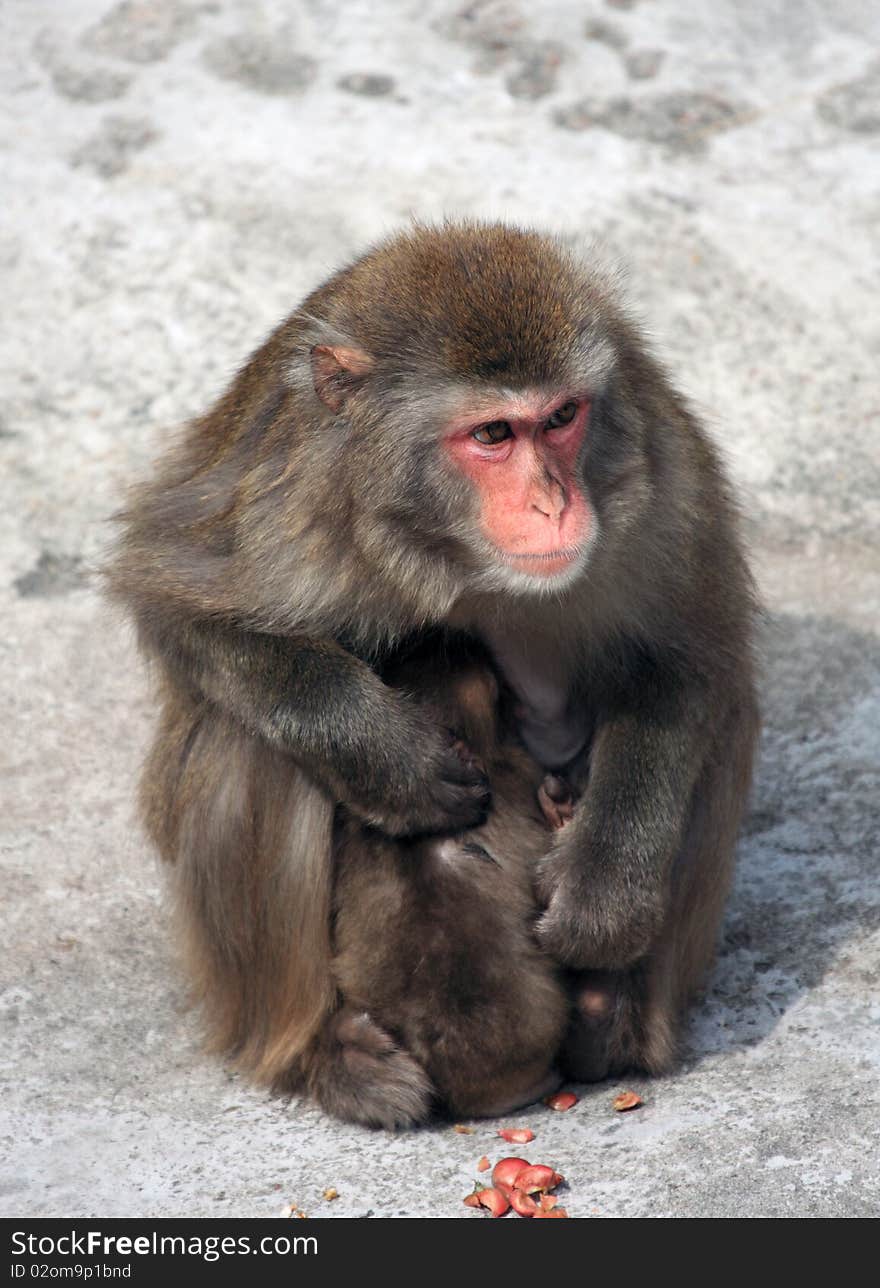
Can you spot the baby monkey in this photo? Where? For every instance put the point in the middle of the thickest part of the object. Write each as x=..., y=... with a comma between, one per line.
x=447, y=1001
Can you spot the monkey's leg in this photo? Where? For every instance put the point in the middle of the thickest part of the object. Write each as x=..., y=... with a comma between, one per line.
x=248, y=837
x=630, y=1019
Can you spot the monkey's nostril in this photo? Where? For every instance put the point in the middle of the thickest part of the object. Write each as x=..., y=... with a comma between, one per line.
x=551, y=507
x=551, y=510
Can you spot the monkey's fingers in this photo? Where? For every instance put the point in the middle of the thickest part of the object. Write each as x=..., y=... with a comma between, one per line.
x=454, y=792
x=435, y=795
x=472, y=767
x=558, y=789
x=462, y=791
x=556, y=800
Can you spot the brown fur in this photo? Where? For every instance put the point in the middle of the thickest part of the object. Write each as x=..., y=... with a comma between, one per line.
x=434, y=936
x=629, y=1019
x=248, y=837
x=303, y=534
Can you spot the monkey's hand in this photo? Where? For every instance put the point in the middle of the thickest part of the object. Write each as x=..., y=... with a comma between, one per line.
x=606, y=881
x=427, y=781
x=596, y=915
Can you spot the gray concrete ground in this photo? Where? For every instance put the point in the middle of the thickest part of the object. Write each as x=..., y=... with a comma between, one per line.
x=174, y=176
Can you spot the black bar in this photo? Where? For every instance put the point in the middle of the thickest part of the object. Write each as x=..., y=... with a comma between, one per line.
x=98, y=1251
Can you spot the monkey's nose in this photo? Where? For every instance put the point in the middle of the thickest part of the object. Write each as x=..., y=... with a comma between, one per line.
x=551, y=504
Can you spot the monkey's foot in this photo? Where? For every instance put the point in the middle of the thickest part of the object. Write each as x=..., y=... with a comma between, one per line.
x=586, y=1054
x=613, y=1028
x=358, y=1074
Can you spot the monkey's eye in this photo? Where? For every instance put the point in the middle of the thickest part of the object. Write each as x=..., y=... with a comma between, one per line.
x=563, y=415
x=495, y=432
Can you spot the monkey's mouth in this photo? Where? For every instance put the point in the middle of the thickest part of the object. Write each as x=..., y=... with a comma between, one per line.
x=544, y=564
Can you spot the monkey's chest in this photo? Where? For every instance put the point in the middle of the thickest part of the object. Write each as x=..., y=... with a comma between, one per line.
x=551, y=724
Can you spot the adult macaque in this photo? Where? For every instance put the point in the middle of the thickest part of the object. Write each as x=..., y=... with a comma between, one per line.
x=461, y=431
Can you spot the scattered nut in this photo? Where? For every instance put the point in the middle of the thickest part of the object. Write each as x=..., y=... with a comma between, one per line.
x=537, y=1178
x=626, y=1100
x=506, y=1171
x=289, y=1210
x=494, y=1200
x=562, y=1100
x=524, y=1204
x=517, y=1135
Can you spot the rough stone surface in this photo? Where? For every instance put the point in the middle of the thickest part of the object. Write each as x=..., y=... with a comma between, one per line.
x=369, y=84
x=681, y=120
x=264, y=63
x=110, y=149
x=141, y=31
x=137, y=280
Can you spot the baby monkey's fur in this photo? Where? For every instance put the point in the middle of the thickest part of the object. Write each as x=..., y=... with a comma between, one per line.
x=433, y=937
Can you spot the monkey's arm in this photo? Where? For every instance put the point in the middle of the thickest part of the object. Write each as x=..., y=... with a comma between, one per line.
x=606, y=882
x=365, y=743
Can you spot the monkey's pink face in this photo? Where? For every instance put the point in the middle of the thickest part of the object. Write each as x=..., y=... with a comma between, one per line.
x=521, y=456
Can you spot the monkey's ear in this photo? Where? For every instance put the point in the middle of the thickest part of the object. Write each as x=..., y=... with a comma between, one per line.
x=337, y=372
